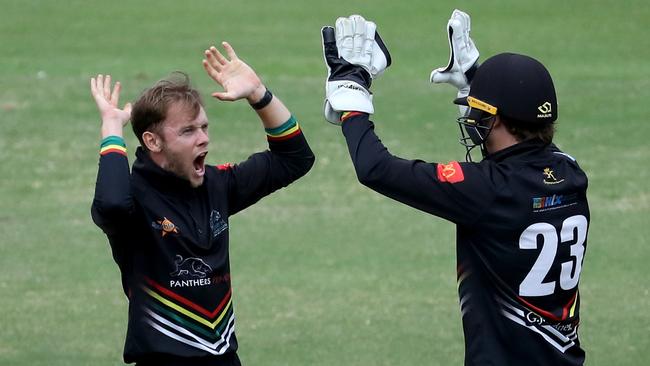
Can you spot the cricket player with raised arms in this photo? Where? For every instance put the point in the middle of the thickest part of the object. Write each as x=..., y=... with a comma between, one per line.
x=167, y=219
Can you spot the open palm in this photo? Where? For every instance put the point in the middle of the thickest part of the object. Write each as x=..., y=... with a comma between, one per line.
x=234, y=75
x=107, y=101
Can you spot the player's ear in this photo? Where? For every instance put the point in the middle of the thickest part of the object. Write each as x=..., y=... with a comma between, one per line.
x=152, y=141
x=497, y=121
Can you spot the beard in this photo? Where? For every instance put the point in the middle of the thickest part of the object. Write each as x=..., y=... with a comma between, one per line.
x=182, y=167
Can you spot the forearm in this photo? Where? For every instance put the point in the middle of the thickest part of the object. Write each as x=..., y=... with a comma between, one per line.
x=272, y=115
x=407, y=181
x=289, y=158
x=112, y=200
x=111, y=128
x=369, y=156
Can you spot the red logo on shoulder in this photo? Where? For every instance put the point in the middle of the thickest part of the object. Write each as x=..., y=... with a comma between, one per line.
x=226, y=166
x=451, y=173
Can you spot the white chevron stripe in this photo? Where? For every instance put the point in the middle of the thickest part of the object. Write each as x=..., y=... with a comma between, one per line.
x=561, y=337
x=548, y=339
x=180, y=339
x=224, y=339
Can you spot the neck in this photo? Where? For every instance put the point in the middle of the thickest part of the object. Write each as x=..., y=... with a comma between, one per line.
x=157, y=158
x=499, y=138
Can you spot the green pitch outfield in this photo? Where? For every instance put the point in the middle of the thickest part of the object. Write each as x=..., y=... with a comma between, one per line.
x=327, y=272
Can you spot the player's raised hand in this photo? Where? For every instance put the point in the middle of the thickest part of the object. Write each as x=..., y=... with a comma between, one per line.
x=463, y=54
x=234, y=75
x=354, y=55
x=107, y=101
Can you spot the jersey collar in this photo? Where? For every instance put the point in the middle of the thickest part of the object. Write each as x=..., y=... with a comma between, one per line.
x=157, y=176
x=521, y=149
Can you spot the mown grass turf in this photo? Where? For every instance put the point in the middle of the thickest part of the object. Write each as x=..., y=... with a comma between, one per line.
x=326, y=271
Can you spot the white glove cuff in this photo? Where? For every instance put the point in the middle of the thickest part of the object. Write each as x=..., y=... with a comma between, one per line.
x=347, y=96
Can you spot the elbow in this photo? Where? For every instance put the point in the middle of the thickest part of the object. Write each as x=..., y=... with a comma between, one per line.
x=368, y=175
x=309, y=162
x=107, y=208
x=306, y=163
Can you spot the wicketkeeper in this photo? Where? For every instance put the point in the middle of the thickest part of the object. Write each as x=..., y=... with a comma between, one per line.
x=521, y=213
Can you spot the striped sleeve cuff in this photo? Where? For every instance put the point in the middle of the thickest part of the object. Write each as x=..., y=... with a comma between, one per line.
x=113, y=144
x=285, y=131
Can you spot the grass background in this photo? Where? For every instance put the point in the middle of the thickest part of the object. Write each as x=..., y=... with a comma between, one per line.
x=326, y=271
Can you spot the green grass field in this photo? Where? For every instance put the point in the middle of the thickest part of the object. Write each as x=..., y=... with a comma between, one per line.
x=325, y=272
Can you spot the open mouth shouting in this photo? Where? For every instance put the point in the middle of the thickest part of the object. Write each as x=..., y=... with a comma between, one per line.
x=199, y=164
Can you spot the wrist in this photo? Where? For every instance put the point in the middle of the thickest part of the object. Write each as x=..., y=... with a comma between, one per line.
x=264, y=101
x=257, y=94
x=112, y=144
x=111, y=128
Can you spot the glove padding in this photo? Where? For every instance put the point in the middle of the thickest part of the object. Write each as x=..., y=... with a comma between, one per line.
x=463, y=55
x=354, y=54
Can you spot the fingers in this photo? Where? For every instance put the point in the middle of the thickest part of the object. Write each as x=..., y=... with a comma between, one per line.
x=382, y=47
x=330, y=51
x=369, y=37
x=344, y=35
x=107, y=86
x=230, y=51
x=216, y=59
x=115, y=97
x=127, y=108
x=97, y=89
x=208, y=66
x=223, y=96
x=439, y=76
x=100, y=86
x=93, y=87
x=328, y=35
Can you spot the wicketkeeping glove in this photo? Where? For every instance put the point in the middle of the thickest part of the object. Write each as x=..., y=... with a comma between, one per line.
x=463, y=55
x=354, y=54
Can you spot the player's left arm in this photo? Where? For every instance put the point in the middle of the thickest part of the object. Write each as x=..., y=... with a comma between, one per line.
x=289, y=156
x=112, y=203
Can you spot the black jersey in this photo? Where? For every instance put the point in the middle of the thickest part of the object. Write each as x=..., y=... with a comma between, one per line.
x=171, y=243
x=522, y=218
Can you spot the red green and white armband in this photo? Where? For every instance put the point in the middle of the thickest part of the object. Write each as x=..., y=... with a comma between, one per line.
x=113, y=144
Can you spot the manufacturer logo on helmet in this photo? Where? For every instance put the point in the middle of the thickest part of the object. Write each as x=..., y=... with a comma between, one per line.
x=479, y=104
x=546, y=110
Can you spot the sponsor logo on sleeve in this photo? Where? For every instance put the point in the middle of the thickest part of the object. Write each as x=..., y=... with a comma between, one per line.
x=451, y=172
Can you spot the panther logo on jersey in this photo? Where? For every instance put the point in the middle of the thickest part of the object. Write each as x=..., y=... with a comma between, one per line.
x=194, y=267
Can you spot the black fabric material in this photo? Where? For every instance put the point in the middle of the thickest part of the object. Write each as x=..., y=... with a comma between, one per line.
x=507, y=208
x=228, y=359
x=519, y=86
x=166, y=235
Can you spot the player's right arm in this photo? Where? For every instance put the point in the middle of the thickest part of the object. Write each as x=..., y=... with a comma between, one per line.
x=112, y=203
x=458, y=192
x=355, y=55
